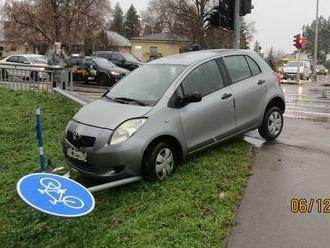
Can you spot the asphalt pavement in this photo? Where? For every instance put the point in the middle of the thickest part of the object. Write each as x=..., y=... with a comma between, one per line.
x=296, y=166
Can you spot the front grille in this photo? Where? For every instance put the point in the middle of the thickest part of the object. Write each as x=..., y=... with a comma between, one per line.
x=81, y=141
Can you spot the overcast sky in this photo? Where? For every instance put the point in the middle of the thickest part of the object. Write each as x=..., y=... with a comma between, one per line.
x=277, y=21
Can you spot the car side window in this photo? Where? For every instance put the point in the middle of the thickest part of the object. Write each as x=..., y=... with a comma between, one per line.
x=204, y=80
x=237, y=67
x=116, y=57
x=255, y=69
x=12, y=59
x=23, y=60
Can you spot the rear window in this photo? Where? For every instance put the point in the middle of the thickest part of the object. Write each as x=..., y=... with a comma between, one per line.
x=237, y=67
x=255, y=69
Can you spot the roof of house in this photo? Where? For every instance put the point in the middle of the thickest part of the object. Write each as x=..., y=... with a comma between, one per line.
x=118, y=40
x=167, y=36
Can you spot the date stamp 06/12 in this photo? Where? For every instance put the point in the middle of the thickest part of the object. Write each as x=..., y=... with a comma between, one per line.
x=308, y=206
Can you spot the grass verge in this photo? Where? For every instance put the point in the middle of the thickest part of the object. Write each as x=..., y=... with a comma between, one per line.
x=194, y=208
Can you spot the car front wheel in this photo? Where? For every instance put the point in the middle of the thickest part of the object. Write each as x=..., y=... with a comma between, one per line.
x=159, y=162
x=272, y=124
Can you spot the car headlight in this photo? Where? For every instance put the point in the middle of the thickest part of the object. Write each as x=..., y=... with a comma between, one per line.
x=317, y=70
x=326, y=70
x=126, y=130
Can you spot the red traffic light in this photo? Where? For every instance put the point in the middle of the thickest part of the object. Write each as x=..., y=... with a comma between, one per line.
x=299, y=41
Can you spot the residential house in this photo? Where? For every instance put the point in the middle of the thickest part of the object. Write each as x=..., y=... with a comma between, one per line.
x=154, y=46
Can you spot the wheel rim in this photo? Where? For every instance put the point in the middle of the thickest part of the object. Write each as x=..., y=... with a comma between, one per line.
x=164, y=163
x=275, y=123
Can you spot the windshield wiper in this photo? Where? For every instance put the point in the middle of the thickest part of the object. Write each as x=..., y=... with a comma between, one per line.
x=125, y=99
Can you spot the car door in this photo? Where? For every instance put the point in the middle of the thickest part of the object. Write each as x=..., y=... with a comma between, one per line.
x=23, y=68
x=214, y=116
x=249, y=86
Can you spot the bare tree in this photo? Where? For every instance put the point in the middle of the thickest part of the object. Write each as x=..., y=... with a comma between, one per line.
x=43, y=22
x=190, y=18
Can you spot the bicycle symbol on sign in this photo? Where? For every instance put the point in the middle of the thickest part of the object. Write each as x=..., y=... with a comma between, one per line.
x=53, y=186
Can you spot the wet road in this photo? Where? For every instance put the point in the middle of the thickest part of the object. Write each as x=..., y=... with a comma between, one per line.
x=309, y=100
x=295, y=167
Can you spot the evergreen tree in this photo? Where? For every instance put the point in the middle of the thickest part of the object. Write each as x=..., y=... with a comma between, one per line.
x=118, y=19
x=324, y=39
x=132, y=26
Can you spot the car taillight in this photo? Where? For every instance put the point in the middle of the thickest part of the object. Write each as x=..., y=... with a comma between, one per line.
x=278, y=78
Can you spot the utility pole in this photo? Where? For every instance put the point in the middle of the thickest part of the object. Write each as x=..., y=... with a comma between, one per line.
x=316, y=37
x=237, y=25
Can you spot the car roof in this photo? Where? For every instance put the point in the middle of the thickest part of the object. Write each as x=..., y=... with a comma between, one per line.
x=190, y=58
x=27, y=55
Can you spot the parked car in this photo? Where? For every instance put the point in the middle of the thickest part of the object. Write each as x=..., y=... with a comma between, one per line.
x=100, y=70
x=321, y=70
x=297, y=70
x=27, y=66
x=124, y=60
x=171, y=108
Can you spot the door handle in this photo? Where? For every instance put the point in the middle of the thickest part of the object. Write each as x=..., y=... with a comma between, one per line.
x=226, y=96
x=261, y=82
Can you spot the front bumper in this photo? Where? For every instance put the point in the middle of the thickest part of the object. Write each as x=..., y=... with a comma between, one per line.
x=103, y=161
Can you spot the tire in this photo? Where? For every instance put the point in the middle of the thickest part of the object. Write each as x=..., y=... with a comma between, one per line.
x=272, y=125
x=152, y=168
x=4, y=74
x=34, y=76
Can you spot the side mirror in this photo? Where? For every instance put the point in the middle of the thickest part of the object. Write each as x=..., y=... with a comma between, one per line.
x=26, y=62
x=196, y=97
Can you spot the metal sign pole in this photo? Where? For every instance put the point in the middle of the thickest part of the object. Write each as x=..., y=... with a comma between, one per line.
x=40, y=140
x=237, y=25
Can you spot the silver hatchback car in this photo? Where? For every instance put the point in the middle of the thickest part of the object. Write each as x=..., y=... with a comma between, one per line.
x=171, y=108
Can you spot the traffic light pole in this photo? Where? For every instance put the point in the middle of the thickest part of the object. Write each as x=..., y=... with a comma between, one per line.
x=237, y=26
x=316, y=39
x=298, y=73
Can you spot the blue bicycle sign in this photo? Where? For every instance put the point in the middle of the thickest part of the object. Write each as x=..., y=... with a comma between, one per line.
x=55, y=195
x=53, y=186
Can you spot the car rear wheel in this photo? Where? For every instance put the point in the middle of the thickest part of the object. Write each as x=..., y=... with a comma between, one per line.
x=159, y=162
x=272, y=124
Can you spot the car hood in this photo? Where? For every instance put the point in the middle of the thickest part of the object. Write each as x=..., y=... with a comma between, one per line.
x=105, y=114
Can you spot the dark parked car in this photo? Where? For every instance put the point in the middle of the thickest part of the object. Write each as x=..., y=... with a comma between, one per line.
x=123, y=60
x=100, y=70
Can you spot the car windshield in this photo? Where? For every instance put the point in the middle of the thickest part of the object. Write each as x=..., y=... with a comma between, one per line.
x=38, y=59
x=320, y=67
x=130, y=58
x=294, y=64
x=146, y=84
x=104, y=63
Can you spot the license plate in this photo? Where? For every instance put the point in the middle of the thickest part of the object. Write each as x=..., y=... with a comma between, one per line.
x=78, y=155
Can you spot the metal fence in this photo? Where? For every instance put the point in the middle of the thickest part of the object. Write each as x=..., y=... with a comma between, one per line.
x=35, y=78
